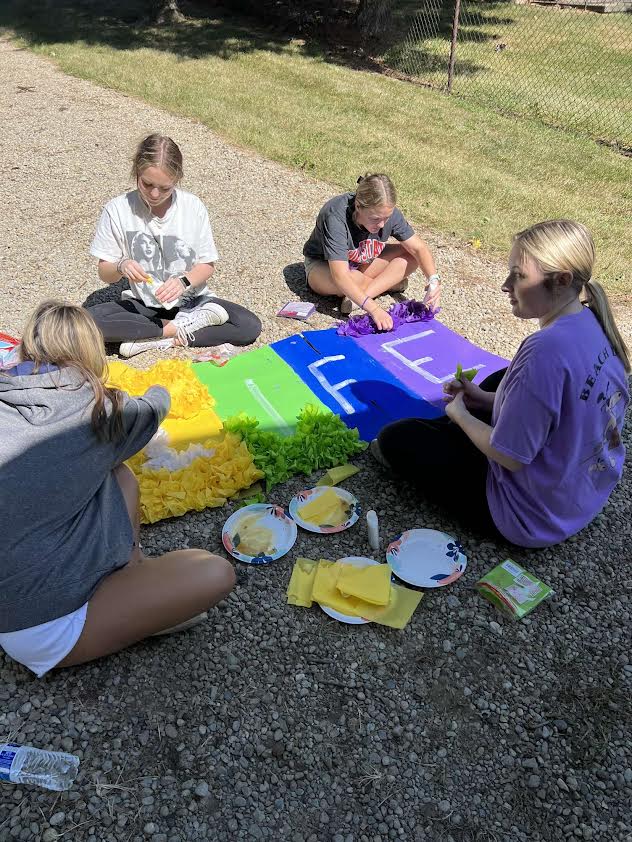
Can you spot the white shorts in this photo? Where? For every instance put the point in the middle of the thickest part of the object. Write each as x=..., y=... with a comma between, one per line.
x=42, y=647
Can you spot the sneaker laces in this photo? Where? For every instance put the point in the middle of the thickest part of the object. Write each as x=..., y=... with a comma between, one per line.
x=187, y=322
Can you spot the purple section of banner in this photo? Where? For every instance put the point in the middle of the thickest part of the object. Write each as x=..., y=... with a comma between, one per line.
x=424, y=356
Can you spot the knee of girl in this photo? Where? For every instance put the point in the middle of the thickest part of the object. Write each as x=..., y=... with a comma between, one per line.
x=222, y=577
x=250, y=331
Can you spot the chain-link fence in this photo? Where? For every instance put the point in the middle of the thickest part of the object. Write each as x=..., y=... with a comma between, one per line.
x=567, y=65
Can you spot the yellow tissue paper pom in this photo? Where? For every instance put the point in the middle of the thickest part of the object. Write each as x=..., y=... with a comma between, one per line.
x=188, y=395
x=206, y=483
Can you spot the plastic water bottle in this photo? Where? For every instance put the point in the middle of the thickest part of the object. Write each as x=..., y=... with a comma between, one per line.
x=27, y=765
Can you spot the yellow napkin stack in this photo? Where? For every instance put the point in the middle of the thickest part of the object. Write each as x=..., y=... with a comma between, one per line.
x=371, y=583
x=364, y=592
x=327, y=509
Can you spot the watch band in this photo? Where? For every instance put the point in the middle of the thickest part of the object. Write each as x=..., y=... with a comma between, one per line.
x=186, y=282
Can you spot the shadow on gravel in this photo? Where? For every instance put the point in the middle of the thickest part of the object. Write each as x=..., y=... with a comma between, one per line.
x=294, y=274
x=111, y=292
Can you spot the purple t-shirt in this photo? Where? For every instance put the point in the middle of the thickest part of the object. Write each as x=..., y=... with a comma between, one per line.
x=559, y=411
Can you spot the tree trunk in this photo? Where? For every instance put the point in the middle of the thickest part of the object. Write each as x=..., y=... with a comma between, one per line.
x=373, y=17
x=167, y=12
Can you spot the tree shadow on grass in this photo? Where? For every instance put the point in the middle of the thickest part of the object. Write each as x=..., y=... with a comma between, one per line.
x=124, y=27
x=208, y=31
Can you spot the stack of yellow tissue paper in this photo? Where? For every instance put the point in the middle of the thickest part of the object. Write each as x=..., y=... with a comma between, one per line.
x=365, y=592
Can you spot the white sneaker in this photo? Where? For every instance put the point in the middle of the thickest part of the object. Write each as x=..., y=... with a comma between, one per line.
x=188, y=624
x=206, y=314
x=130, y=349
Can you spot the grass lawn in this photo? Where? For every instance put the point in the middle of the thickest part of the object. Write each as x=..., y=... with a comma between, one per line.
x=460, y=168
x=568, y=66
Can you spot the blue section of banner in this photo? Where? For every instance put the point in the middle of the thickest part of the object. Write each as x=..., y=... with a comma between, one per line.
x=351, y=382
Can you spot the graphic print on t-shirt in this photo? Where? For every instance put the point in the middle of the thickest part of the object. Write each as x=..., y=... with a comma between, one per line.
x=366, y=251
x=613, y=408
x=160, y=256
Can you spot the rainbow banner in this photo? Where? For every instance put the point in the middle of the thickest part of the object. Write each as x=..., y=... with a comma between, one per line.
x=303, y=403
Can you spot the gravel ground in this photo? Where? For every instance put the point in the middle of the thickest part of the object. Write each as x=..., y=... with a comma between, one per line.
x=270, y=722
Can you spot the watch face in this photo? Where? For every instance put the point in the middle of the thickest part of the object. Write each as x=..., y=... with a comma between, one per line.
x=185, y=281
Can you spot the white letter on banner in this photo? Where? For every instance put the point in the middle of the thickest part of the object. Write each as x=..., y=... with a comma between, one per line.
x=333, y=390
x=415, y=365
x=265, y=404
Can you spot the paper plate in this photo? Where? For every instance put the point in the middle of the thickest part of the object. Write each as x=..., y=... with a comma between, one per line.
x=426, y=558
x=251, y=525
x=303, y=497
x=356, y=561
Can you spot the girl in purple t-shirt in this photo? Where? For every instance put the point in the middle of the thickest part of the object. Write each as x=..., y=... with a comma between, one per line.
x=534, y=452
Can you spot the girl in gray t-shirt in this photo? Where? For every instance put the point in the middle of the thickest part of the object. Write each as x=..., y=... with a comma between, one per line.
x=348, y=253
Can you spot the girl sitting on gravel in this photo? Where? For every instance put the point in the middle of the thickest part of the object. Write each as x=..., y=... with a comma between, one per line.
x=348, y=253
x=74, y=584
x=534, y=451
x=144, y=236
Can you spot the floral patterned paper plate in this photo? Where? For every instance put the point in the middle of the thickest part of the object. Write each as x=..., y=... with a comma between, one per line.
x=350, y=505
x=426, y=558
x=259, y=533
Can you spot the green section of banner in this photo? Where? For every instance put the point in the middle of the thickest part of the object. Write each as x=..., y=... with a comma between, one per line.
x=261, y=385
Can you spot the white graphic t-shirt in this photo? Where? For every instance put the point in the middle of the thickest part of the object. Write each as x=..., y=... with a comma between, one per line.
x=164, y=246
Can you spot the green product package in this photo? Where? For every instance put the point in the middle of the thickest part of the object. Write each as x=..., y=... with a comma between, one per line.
x=512, y=589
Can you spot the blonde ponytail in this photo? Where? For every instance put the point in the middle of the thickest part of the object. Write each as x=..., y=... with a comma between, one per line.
x=597, y=301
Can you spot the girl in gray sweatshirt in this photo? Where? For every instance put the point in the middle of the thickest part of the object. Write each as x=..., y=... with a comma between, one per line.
x=73, y=583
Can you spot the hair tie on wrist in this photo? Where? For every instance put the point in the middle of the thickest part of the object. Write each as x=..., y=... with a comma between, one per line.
x=364, y=302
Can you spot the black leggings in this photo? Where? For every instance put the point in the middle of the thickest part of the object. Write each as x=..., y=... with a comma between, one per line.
x=443, y=463
x=128, y=319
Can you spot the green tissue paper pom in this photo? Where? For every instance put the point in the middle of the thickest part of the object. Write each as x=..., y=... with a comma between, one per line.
x=321, y=440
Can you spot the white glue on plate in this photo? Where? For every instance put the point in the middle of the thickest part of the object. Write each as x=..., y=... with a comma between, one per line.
x=373, y=529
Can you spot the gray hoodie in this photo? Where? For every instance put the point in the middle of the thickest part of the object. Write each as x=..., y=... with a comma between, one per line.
x=63, y=519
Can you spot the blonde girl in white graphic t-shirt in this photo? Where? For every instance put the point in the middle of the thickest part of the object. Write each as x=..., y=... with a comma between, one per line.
x=158, y=237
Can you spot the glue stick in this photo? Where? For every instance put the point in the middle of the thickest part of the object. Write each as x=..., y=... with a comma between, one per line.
x=373, y=529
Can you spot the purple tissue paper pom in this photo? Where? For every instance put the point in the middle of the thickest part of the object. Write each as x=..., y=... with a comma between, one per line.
x=402, y=312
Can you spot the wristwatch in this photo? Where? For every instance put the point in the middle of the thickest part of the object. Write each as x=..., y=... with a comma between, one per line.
x=185, y=281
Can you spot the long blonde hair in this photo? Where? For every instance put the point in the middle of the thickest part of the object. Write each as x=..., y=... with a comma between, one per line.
x=561, y=245
x=374, y=190
x=66, y=335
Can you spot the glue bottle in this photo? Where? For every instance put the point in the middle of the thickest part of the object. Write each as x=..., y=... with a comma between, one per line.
x=373, y=529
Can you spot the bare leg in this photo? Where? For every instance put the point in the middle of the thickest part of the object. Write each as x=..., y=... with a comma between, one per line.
x=386, y=271
x=131, y=494
x=148, y=594
x=141, y=599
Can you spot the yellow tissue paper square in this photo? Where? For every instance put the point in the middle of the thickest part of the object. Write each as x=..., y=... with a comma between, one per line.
x=299, y=591
x=326, y=510
x=371, y=583
x=335, y=475
x=399, y=610
x=326, y=592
